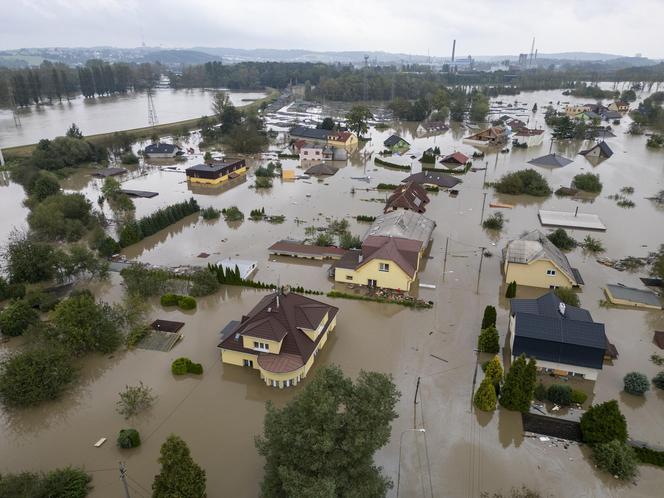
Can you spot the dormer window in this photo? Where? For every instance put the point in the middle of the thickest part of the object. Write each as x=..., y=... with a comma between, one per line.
x=261, y=346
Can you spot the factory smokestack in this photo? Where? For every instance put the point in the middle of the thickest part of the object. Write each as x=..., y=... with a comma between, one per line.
x=453, y=50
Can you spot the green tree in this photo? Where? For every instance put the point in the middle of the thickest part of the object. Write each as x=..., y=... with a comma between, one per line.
x=485, y=397
x=322, y=442
x=74, y=132
x=588, y=182
x=493, y=370
x=35, y=375
x=59, y=483
x=519, y=386
x=568, y=296
x=327, y=124
x=44, y=186
x=603, y=423
x=349, y=241
x=559, y=394
x=562, y=240
x=479, y=107
x=510, y=292
x=27, y=260
x=489, y=340
x=489, y=317
x=179, y=475
x=17, y=317
x=658, y=380
x=357, y=119
x=616, y=458
x=527, y=181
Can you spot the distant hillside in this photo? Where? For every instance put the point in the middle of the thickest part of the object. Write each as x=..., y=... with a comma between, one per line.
x=179, y=56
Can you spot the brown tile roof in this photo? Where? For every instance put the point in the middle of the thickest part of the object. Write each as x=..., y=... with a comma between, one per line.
x=280, y=317
x=404, y=252
x=279, y=363
x=410, y=196
x=291, y=246
x=455, y=157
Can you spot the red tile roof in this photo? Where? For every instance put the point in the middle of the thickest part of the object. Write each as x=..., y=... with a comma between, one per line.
x=455, y=157
x=409, y=196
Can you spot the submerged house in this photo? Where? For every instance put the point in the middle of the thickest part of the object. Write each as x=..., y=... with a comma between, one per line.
x=599, y=151
x=496, y=135
x=528, y=137
x=619, y=106
x=410, y=196
x=563, y=339
x=534, y=261
x=391, y=253
x=161, y=150
x=316, y=152
x=455, y=160
x=395, y=143
x=429, y=178
x=319, y=135
x=280, y=337
x=216, y=172
x=426, y=128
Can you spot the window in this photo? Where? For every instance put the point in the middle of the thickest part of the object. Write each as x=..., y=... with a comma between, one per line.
x=287, y=383
x=551, y=273
x=349, y=277
x=306, y=152
x=384, y=267
x=248, y=363
x=261, y=346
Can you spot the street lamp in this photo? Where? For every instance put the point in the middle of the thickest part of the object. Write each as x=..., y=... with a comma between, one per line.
x=400, y=445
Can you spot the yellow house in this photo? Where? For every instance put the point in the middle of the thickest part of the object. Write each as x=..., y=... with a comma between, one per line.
x=391, y=252
x=280, y=337
x=573, y=110
x=534, y=261
x=342, y=139
x=215, y=172
x=619, y=106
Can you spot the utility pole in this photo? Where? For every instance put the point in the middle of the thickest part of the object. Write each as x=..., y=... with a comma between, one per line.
x=479, y=272
x=123, y=477
x=366, y=76
x=447, y=242
x=483, y=203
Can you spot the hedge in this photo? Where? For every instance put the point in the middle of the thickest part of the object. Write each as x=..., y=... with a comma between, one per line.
x=409, y=304
x=129, y=438
x=648, y=456
x=135, y=231
x=183, y=302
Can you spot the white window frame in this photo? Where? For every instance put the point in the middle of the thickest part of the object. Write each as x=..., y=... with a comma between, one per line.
x=384, y=267
x=551, y=273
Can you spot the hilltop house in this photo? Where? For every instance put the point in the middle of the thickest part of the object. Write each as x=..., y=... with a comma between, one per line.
x=496, y=135
x=391, y=253
x=534, y=261
x=215, y=172
x=319, y=135
x=394, y=143
x=563, y=339
x=409, y=196
x=161, y=150
x=280, y=337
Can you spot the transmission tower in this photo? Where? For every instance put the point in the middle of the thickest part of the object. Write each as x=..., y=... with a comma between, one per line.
x=152, y=111
x=366, y=76
x=12, y=104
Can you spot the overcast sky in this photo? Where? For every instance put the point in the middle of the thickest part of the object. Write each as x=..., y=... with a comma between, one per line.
x=481, y=27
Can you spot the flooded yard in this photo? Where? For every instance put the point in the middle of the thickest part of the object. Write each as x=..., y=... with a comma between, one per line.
x=463, y=452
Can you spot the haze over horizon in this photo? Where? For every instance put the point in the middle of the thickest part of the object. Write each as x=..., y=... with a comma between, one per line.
x=480, y=27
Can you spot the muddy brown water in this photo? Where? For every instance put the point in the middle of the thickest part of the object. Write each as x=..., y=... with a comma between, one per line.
x=462, y=452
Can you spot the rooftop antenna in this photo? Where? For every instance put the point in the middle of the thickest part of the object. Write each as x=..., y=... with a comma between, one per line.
x=366, y=81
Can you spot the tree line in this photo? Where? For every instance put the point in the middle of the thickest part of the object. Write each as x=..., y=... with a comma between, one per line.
x=134, y=231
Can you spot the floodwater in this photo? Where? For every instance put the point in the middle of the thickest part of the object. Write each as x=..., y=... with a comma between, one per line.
x=462, y=452
x=108, y=114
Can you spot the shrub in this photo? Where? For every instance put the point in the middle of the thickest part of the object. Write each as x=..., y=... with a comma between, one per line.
x=35, y=375
x=129, y=438
x=324, y=239
x=636, y=383
x=489, y=318
x=616, y=458
x=567, y=296
x=135, y=399
x=489, y=340
x=134, y=231
x=579, y=397
x=485, y=398
x=169, y=300
x=59, y=483
x=527, y=181
x=494, y=222
x=17, y=317
x=108, y=246
x=349, y=241
x=519, y=386
x=136, y=335
x=204, y=283
x=180, y=366
x=493, y=370
x=363, y=218
x=186, y=303
x=210, y=213
x=648, y=456
x=561, y=240
x=129, y=158
x=511, y=290
x=540, y=392
x=603, y=423
x=263, y=182
x=232, y=214
x=588, y=182
x=195, y=368
x=559, y=394
x=592, y=245
x=658, y=380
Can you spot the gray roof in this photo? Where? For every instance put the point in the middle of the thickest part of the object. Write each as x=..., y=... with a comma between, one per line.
x=551, y=160
x=547, y=332
x=393, y=140
x=160, y=148
x=306, y=132
x=604, y=149
x=433, y=178
x=322, y=169
x=643, y=296
x=404, y=224
x=534, y=246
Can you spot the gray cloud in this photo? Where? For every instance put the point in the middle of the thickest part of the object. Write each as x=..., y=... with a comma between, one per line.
x=481, y=27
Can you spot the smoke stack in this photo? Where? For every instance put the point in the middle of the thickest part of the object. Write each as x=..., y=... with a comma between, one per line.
x=453, y=50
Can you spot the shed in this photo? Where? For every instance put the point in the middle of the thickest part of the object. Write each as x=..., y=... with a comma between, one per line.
x=166, y=326
x=630, y=296
x=322, y=169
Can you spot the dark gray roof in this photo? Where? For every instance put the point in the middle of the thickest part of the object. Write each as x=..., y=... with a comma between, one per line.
x=160, y=148
x=214, y=166
x=551, y=161
x=541, y=331
x=433, y=178
x=393, y=140
x=306, y=132
x=643, y=296
x=604, y=150
x=322, y=169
